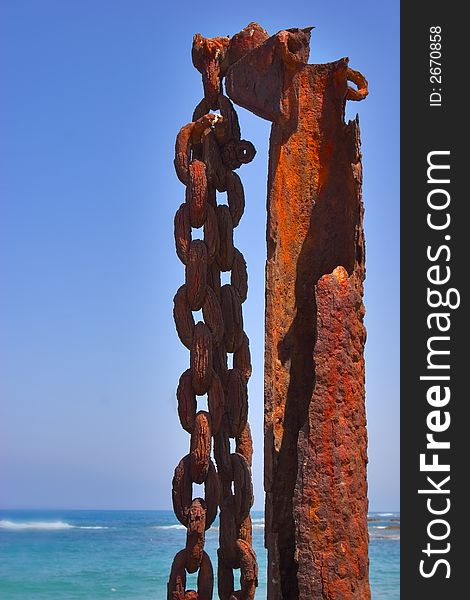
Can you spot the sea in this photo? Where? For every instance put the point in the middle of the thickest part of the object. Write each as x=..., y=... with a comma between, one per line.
x=81, y=554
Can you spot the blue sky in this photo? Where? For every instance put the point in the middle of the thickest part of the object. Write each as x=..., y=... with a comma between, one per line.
x=93, y=94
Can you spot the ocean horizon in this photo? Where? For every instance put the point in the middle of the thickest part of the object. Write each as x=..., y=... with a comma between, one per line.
x=79, y=554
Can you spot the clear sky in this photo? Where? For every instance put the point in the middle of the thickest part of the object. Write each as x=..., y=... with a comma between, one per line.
x=93, y=94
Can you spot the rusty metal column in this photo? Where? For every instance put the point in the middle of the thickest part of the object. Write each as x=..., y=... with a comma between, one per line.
x=315, y=426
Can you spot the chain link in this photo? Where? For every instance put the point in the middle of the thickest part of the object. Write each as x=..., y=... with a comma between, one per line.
x=207, y=152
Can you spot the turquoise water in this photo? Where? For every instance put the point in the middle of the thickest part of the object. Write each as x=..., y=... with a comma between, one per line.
x=66, y=555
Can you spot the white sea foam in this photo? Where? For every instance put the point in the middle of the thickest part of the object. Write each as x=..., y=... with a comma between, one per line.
x=385, y=514
x=260, y=520
x=212, y=529
x=43, y=525
x=46, y=525
x=379, y=527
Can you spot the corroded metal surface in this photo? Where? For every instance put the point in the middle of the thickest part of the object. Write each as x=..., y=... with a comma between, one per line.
x=315, y=435
x=207, y=151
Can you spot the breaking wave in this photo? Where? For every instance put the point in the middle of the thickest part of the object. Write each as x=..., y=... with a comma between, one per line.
x=42, y=525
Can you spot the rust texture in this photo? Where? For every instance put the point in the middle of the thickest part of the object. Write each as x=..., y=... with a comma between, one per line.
x=315, y=427
x=207, y=151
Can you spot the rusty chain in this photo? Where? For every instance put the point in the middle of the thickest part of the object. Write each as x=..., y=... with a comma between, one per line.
x=207, y=152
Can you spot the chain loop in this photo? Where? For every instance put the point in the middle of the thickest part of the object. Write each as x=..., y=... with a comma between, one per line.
x=196, y=274
x=182, y=232
x=195, y=535
x=212, y=313
x=211, y=234
x=244, y=444
x=183, y=317
x=235, y=197
x=182, y=489
x=187, y=404
x=201, y=359
x=177, y=582
x=216, y=172
x=237, y=400
x=216, y=403
x=200, y=447
x=196, y=193
x=226, y=252
x=242, y=358
x=233, y=317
